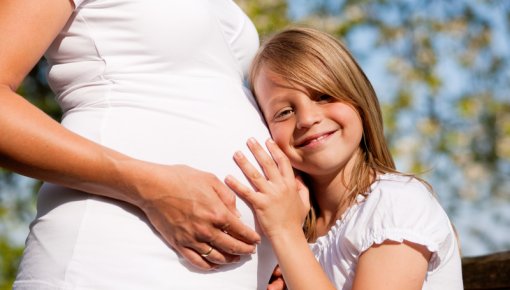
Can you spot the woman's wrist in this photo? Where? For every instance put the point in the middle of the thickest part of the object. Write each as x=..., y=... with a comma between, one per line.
x=117, y=176
x=130, y=177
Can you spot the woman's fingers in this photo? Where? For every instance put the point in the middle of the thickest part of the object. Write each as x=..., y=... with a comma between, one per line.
x=221, y=248
x=239, y=235
x=228, y=198
x=206, y=257
x=214, y=256
x=194, y=258
x=235, y=238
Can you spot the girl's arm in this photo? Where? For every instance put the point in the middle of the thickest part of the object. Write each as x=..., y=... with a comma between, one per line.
x=187, y=215
x=392, y=265
x=280, y=203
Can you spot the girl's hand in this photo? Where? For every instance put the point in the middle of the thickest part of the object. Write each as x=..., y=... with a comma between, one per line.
x=279, y=200
x=280, y=203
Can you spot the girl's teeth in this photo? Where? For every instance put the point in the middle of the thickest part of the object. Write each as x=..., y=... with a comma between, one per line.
x=317, y=139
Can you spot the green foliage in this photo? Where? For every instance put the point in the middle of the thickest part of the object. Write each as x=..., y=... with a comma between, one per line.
x=35, y=89
x=267, y=15
x=10, y=256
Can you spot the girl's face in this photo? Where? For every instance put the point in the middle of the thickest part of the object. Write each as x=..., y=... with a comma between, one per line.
x=319, y=134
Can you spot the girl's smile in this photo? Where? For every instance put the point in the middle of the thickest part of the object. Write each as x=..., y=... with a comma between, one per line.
x=314, y=140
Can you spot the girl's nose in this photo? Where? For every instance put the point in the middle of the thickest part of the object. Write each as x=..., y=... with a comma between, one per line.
x=308, y=115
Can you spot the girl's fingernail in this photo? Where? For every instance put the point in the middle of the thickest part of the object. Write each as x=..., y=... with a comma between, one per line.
x=228, y=178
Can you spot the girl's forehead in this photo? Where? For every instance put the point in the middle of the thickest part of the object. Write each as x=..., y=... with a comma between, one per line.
x=277, y=79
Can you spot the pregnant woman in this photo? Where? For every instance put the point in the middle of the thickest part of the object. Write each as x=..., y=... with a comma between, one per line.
x=153, y=106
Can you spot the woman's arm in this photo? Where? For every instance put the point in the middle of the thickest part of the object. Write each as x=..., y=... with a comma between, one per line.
x=280, y=203
x=188, y=215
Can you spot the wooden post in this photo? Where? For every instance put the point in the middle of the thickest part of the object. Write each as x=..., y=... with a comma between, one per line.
x=489, y=272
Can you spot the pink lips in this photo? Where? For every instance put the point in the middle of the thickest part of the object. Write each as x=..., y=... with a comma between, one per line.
x=316, y=138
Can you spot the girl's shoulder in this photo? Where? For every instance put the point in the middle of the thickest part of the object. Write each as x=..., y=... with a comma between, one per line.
x=400, y=183
x=399, y=207
x=397, y=193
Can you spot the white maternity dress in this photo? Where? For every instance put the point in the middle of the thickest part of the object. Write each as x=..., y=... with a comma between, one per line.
x=158, y=80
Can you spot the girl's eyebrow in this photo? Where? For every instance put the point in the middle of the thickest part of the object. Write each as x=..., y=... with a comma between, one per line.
x=272, y=105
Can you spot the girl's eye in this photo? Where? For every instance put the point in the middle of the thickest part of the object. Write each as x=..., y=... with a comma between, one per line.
x=324, y=98
x=283, y=114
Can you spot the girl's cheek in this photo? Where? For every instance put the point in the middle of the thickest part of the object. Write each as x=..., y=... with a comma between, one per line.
x=278, y=136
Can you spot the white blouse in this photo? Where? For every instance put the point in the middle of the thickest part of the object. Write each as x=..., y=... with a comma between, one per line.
x=397, y=208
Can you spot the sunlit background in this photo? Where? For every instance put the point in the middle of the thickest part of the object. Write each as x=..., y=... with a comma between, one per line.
x=442, y=73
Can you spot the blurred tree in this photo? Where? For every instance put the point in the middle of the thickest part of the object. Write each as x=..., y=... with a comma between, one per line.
x=8, y=263
x=267, y=15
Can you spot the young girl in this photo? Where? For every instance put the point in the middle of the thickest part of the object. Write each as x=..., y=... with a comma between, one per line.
x=371, y=226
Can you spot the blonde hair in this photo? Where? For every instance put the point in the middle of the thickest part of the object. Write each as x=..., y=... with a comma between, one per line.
x=321, y=63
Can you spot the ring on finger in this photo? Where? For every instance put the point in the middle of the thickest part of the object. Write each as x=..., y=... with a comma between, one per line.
x=204, y=255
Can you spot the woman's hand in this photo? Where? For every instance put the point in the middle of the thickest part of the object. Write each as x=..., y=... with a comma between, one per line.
x=196, y=214
x=280, y=200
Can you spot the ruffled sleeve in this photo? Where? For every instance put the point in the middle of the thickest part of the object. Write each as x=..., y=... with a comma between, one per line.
x=401, y=208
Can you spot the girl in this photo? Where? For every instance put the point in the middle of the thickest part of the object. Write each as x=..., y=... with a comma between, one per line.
x=372, y=227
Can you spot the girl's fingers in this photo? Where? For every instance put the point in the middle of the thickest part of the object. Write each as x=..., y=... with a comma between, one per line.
x=265, y=161
x=282, y=162
x=243, y=191
x=257, y=180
